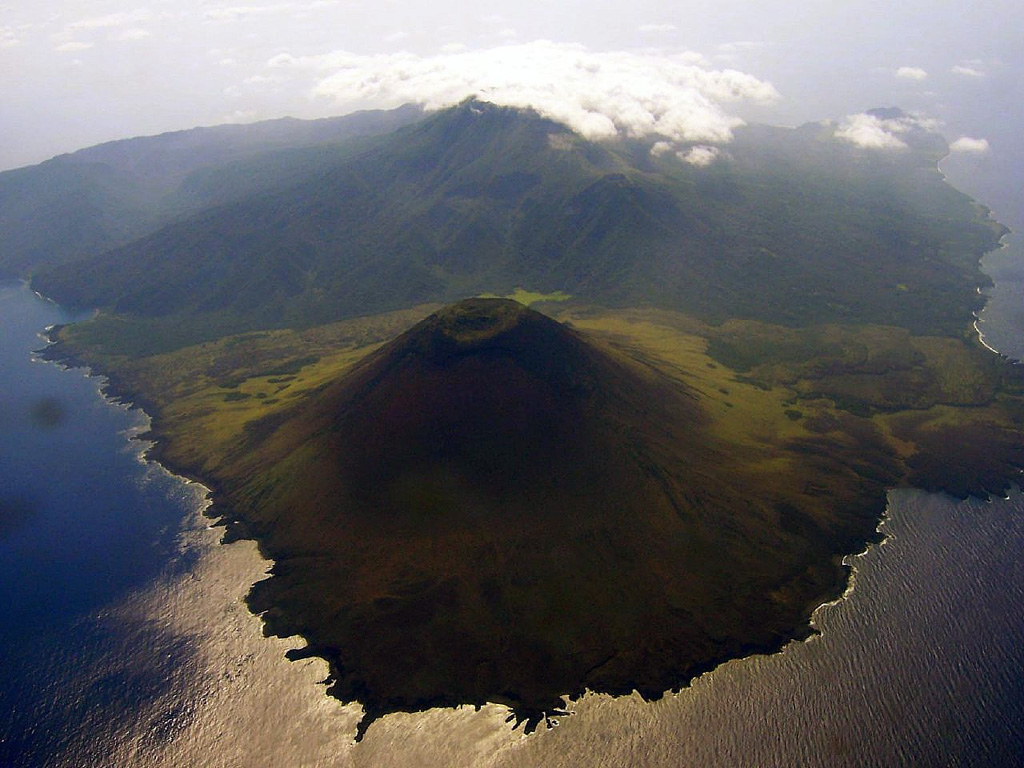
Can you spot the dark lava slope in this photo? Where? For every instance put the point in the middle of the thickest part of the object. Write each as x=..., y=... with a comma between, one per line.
x=492, y=508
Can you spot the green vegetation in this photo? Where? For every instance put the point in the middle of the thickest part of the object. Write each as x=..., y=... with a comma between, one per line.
x=529, y=298
x=83, y=204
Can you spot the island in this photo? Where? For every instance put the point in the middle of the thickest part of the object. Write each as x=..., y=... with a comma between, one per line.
x=656, y=466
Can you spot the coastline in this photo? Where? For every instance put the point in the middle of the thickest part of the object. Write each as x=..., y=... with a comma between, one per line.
x=114, y=391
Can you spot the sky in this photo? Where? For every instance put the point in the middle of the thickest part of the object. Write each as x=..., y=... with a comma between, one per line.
x=73, y=74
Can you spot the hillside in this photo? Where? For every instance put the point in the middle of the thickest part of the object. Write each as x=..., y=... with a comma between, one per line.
x=82, y=204
x=493, y=508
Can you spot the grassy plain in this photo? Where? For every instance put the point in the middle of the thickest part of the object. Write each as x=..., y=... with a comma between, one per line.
x=202, y=397
x=850, y=390
x=529, y=298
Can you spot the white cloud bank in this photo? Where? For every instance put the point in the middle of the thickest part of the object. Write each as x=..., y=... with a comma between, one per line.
x=875, y=132
x=911, y=73
x=701, y=155
x=674, y=97
x=8, y=37
x=239, y=12
x=967, y=70
x=84, y=33
x=73, y=47
x=655, y=29
x=967, y=145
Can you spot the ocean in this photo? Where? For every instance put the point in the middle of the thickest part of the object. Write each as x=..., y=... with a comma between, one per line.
x=126, y=641
x=83, y=521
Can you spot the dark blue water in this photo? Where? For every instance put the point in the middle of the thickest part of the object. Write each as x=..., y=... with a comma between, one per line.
x=83, y=521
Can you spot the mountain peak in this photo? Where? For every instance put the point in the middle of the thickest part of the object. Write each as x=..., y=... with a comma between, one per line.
x=538, y=482
x=548, y=365
x=475, y=322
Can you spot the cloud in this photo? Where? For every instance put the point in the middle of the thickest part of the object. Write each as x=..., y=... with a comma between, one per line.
x=701, y=155
x=601, y=95
x=967, y=145
x=125, y=25
x=74, y=45
x=8, y=37
x=878, y=132
x=234, y=13
x=911, y=73
x=262, y=80
x=135, y=33
x=237, y=12
x=967, y=70
x=734, y=51
x=656, y=29
x=111, y=20
x=736, y=46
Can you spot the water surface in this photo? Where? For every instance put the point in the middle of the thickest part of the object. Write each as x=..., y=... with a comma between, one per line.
x=83, y=522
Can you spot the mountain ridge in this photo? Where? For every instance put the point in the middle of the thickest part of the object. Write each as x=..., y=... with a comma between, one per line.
x=480, y=198
x=81, y=204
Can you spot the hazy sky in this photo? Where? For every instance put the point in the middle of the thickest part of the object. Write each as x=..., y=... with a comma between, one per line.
x=73, y=74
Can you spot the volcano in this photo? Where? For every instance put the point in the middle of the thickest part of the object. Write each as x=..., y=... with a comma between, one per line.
x=495, y=508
